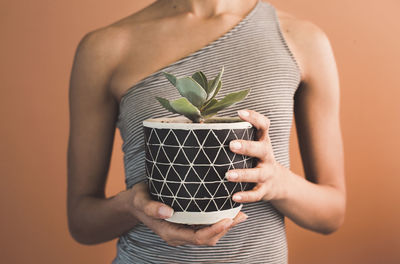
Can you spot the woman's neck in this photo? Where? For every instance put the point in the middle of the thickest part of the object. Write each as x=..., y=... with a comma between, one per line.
x=210, y=8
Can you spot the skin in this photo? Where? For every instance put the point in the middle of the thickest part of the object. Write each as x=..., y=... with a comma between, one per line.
x=111, y=59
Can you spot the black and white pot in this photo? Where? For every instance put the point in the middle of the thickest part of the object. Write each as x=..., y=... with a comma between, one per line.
x=186, y=165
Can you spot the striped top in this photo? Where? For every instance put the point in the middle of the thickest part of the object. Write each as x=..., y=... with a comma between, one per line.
x=254, y=54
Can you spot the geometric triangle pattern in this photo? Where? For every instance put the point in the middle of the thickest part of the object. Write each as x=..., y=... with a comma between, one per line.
x=186, y=168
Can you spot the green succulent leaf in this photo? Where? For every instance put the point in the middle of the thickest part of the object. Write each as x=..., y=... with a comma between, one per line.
x=215, y=82
x=209, y=104
x=166, y=104
x=190, y=89
x=201, y=79
x=184, y=107
x=170, y=78
x=198, y=102
x=216, y=91
x=228, y=100
x=209, y=84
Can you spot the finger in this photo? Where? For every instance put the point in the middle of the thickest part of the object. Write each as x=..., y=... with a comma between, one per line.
x=185, y=235
x=143, y=202
x=235, y=221
x=204, y=235
x=200, y=226
x=259, y=121
x=254, y=195
x=258, y=149
x=247, y=175
x=240, y=217
x=179, y=233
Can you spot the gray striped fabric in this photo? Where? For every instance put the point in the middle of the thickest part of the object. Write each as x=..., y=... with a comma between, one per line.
x=254, y=54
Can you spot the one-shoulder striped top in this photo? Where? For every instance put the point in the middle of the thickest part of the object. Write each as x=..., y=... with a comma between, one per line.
x=254, y=54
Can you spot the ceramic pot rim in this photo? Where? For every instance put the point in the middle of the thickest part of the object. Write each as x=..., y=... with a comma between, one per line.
x=203, y=218
x=161, y=123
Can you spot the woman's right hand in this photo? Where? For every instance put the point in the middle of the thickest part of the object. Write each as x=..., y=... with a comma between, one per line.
x=148, y=211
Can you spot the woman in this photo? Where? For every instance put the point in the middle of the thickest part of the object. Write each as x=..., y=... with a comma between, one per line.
x=289, y=65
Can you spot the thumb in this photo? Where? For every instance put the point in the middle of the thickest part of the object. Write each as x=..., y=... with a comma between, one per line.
x=152, y=208
x=143, y=202
x=158, y=210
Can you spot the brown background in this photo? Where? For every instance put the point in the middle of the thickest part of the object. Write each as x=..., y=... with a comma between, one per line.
x=38, y=41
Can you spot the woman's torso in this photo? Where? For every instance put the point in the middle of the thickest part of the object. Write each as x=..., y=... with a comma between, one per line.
x=254, y=54
x=148, y=42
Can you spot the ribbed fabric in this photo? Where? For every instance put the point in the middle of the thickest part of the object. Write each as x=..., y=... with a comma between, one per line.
x=254, y=54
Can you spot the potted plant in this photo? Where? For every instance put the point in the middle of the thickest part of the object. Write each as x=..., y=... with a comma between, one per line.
x=187, y=156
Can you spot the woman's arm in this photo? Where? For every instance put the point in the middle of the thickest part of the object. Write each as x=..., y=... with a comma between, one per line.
x=317, y=202
x=91, y=217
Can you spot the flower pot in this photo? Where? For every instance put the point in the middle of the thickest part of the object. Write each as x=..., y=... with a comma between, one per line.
x=186, y=165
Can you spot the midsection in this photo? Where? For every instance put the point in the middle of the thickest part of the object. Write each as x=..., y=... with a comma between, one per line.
x=261, y=236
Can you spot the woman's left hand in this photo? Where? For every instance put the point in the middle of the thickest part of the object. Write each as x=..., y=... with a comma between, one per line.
x=270, y=176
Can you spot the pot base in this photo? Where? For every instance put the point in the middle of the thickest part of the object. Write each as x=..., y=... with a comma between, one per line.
x=203, y=218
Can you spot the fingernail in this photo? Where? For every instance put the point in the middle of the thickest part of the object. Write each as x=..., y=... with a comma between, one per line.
x=237, y=197
x=244, y=217
x=243, y=113
x=235, y=145
x=165, y=211
x=228, y=223
x=231, y=175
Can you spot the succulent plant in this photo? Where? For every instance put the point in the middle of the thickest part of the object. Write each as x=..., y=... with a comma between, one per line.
x=198, y=102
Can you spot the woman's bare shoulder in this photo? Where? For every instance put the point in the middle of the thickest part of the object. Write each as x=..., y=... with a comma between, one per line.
x=115, y=40
x=118, y=34
x=303, y=37
x=298, y=26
